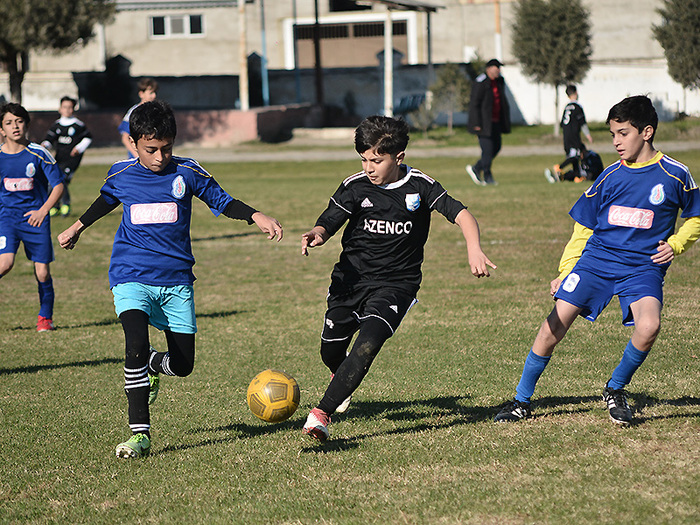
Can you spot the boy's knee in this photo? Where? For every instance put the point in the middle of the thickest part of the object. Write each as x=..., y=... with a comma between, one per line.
x=182, y=368
x=648, y=328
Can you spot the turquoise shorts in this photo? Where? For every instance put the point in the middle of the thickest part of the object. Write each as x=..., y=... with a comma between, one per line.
x=168, y=307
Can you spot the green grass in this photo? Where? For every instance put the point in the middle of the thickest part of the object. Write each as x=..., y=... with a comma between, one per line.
x=417, y=444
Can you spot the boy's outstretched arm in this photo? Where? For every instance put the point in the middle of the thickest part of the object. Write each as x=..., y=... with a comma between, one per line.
x=268, y=225
x=478, y=262
x=315, y=237
x=98, y=209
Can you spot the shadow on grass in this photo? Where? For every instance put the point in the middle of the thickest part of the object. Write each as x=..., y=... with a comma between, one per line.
x=643, y=401
x=76, y=364
x=227, y=236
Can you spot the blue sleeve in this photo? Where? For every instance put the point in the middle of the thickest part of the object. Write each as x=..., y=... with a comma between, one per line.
x=123, y=127
x=108, y=190
x=206, y=188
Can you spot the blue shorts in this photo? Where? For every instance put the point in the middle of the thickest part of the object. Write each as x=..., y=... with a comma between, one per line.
x=168, y=307
x=38, y=246
x=592, y=292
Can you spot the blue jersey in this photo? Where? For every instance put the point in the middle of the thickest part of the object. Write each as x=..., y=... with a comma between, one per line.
x=124, y=124
x=631, y=207
x=25, y=179
x=152, y=245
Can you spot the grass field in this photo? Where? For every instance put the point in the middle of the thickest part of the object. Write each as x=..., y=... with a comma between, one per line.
x=417, y=444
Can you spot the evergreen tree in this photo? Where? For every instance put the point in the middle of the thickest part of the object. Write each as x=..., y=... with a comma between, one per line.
x=552, y=42
x=451, y=92
x=28, y=25
x=679, y=35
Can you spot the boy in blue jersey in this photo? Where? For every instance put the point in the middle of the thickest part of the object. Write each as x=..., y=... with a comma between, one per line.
x=387, y=207
x=150, y=271
x=26, y=171
x=623, y=243
x=147, y=91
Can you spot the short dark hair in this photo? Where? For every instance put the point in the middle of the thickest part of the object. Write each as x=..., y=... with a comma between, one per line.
x=153, y=120
x=638, y=110
x=16, y=109
x=69, y=99
x=570, y=90
x=147, y=83
x=383, y=134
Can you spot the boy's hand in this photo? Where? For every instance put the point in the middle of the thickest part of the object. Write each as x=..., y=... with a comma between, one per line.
x=69, y=238
x=268, y=225
x=664, y=253
x=36, y=217
x=554, y=286
x=312, y=238
x=478, y=264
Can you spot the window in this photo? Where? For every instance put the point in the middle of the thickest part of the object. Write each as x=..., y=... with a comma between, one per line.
x=176, y=26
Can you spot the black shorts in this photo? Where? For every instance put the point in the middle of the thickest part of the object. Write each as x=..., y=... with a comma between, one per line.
x=346, y=312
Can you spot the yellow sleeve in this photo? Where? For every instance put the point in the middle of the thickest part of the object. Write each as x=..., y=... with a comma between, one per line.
x=574, y=249
x=686, y=235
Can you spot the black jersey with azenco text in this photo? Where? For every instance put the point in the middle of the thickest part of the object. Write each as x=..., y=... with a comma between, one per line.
x=387, y=228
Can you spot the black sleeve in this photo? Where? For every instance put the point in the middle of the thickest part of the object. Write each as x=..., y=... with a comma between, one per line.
x=97, y=210
x=239, y=210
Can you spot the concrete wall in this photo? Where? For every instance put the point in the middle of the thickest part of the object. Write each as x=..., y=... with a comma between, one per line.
x=205, y=128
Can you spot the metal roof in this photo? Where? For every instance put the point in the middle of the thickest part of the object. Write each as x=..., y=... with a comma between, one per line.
x=406, y=5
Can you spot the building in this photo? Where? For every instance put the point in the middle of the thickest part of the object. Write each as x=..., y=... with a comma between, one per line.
x=194, y=48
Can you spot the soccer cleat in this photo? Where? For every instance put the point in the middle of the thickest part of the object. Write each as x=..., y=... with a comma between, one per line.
x=344, y=405
x=44, y=324
x=316, y=425
x=513, y=411
x=65, y=210
x=53, y=211
x=579, y=179
x=474, y=176
x=556, y=171
x=137, y=446
x=154, y=385
x=550, y=176
x=489, y=180
x=620, y=411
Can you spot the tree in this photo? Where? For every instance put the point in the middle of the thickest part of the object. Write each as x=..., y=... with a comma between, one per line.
x=30, y=25
x=451, y=92
x=552, y=42
x=679, y=35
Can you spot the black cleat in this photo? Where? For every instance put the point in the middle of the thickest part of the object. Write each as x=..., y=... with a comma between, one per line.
x=620, y=411
x=513, y=411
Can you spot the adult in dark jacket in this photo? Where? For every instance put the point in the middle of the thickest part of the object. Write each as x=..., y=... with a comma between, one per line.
x=489, y=117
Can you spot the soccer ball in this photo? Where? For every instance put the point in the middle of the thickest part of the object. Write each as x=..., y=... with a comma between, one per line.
x=273, y=396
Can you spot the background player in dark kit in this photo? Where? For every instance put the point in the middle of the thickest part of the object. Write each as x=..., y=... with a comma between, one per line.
x=70, y=138
x=387, y=207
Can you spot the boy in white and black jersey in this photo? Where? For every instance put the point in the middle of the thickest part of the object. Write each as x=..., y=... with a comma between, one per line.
x=69, y=137
x=387, y=207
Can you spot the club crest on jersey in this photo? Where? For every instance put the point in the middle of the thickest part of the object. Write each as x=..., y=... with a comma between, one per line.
x=179, y=187
x=657, y=195
x=412, y=201
x=30, y=170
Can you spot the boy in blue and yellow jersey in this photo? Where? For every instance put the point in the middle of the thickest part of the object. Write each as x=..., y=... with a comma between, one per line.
x=26, y=171
x=623, y=243
x=150, y=272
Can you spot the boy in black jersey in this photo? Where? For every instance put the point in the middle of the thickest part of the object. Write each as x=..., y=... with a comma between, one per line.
x=373, y=285
x=70, y=138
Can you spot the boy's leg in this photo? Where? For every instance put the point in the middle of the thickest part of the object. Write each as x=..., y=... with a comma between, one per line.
x=178, y=360
x=372, y=335
x=551, y=333
x=647, y=323
x=42, y=273
x=339, y=325
x=7, y=261
x=136, y=385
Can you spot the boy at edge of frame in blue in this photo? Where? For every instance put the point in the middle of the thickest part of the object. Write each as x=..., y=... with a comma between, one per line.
x=387, y=207
x=26, y=171
x=150, y=271
x=623, y=244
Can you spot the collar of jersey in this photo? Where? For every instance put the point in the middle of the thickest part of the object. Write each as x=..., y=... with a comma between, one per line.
x=635, y=165
x=400, y=182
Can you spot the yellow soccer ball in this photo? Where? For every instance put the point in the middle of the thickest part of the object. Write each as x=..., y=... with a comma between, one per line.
x=273, y=396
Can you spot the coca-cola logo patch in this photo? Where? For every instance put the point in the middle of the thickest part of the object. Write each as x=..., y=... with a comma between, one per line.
x=630, y=217
x=154, y=213
x=18, y=184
